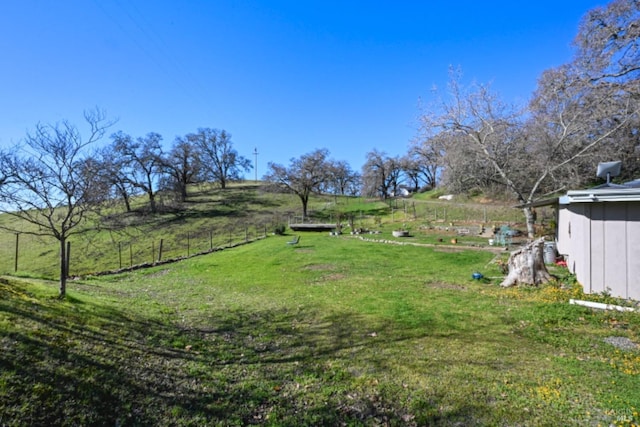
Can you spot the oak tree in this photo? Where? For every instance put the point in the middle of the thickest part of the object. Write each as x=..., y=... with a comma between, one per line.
x=304, y=176
x=48, y=185
x=220, y=161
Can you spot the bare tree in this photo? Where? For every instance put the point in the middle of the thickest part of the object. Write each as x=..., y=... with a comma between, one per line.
x=342, y=179
x=183, y=166
x=220, y=160
x=142, y=160
x=381, y=175
x=608, y=57
x=534, y=155
x=304, y=176
x=608, y=43
x=428, y=155
x=47, y=184
x=113, y=172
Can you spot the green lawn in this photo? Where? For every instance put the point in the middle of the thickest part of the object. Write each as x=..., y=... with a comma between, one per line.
x=332, y=331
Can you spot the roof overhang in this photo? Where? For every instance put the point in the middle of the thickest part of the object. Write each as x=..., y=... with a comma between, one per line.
x=539, y=203
x=594, y=195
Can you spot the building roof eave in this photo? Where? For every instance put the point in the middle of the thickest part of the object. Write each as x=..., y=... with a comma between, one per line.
x=538, y=203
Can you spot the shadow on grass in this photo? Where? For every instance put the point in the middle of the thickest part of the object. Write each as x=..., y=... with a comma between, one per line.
x=79, y=363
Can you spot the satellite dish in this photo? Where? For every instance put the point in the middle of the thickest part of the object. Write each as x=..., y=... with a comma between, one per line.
x=608, y=170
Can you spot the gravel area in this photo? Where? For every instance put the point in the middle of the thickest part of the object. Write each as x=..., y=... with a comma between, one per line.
x=623, y=343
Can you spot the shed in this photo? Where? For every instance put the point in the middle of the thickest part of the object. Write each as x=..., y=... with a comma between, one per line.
x=599, y=236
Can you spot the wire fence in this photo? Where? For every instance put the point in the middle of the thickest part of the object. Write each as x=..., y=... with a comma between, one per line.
x=426, y=213
x=104, y=252
x=96, y=253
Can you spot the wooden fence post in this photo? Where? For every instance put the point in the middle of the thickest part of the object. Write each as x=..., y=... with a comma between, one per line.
x=16, y=259
x=160, y=250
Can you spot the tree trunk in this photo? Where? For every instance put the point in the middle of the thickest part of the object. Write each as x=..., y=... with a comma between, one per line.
x=63, y=268
x=526, y=265
x=125, y=197
x=305, y=202
x=152, y=202
x=530, y=218
x=183, y=192
x=127, y=202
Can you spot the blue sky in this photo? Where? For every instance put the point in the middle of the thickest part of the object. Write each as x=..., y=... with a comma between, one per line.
x=285, y=77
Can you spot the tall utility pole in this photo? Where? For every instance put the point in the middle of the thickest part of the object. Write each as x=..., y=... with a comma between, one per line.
x=255, y=153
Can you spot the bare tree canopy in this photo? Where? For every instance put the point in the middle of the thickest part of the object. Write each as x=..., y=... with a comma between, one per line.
x=183, y=165
x=304, y=175
x=220, y=161
x=142, y=163
x=48, y=184
x=342, y=179
x=381, y=175
x=608, y=43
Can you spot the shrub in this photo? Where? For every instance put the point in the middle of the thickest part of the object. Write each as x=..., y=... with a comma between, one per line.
x=279, y=229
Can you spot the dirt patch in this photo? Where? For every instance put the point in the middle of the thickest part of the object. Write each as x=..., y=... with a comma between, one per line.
x=442, y=285
x=328, y=278
x=304, y=251
x=320, y=267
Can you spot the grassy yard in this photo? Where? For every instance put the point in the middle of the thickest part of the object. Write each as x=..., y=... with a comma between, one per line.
x=332, y=331
x=214, y=218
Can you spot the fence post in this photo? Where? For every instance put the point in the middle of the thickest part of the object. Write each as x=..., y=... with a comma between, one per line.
x=119, y=255
x=211, y=240
x=188, y=244
x=16, y=259
x=160, y=250
x=130, y=255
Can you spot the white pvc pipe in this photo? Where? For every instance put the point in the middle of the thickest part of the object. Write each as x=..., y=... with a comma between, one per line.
x=600, y=305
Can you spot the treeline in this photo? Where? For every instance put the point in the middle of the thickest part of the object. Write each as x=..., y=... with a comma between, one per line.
x=132, y=165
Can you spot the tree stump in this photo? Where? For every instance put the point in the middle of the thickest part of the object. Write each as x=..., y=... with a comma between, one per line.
x=526, y=265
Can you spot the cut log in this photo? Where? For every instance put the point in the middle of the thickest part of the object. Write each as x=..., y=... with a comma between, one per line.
x=526, y=265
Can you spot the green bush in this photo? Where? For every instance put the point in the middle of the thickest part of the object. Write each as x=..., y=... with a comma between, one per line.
x=279, y=229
